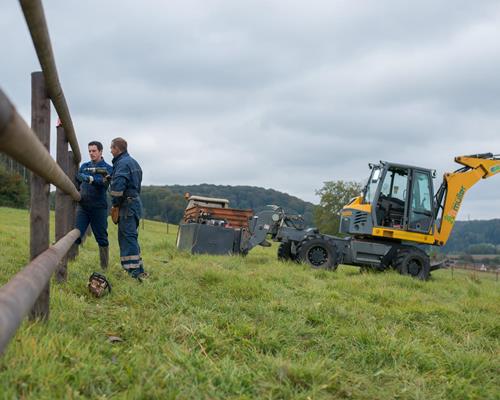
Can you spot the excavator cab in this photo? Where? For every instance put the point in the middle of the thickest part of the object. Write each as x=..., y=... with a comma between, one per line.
x=396, y=198
x=401, y=197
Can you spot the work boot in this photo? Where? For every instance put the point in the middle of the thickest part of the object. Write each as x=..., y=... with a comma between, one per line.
x=138, y=273
x=104, y=256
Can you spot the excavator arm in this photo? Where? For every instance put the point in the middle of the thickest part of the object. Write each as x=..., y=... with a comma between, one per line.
x=455, y=184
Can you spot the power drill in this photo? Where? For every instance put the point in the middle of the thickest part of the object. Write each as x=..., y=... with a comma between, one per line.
x=96, y=170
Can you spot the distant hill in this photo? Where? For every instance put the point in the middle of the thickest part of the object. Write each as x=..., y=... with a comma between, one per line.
x=468, y=235
x=167, y=202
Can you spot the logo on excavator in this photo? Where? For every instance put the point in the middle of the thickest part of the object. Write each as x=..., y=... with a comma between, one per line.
x=458, y=199
x=450, y=217
x=495, y=169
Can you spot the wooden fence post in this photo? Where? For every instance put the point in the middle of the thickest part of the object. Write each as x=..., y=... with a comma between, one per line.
x=39, y=200
x=63, y=201
x=71, y=221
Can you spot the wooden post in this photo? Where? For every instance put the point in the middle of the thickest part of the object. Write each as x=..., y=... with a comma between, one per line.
x=63, y=202
x=72, y=170
x=39, y=200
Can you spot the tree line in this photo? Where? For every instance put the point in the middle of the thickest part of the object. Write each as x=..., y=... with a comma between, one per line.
x=167, y=203
x=475, y=237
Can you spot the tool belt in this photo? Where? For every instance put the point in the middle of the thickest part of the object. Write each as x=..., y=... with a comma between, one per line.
x=115, y=214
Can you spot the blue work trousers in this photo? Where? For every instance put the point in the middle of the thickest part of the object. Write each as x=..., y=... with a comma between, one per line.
x=128, y=232
x=98, y=220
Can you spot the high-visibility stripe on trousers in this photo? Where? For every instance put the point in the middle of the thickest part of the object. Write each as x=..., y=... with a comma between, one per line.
x=130, y=252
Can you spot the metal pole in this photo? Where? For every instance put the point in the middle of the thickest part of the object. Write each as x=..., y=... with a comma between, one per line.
x=63, y=201
x=39, y=212
x=19, y=294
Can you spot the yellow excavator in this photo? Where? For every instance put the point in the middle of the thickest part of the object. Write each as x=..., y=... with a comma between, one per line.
x=396, y=213
x=398, y=210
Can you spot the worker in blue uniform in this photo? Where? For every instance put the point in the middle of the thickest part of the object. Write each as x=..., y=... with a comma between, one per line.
x=93, y=206
x=125, y=189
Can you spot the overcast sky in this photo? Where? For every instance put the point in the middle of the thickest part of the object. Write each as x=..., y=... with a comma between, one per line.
x=278, y=94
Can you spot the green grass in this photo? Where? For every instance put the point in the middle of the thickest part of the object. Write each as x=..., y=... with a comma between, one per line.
x=229, y=327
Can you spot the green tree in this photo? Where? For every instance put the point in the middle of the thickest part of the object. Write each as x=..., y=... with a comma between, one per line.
x=13, y=189
x=334, y=196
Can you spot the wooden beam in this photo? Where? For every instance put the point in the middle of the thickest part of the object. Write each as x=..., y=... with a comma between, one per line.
x=39, y=201
x=63, y=201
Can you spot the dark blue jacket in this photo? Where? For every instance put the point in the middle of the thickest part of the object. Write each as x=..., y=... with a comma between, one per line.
x=93, y=193
x=126, y=181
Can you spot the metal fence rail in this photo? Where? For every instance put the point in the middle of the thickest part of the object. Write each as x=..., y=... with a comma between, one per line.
x=18, y=296
x=19, y=142
x=35, y=18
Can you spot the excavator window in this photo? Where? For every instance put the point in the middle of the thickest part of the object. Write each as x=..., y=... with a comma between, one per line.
x=371, y=186
x=390, y=209
x=421, y=214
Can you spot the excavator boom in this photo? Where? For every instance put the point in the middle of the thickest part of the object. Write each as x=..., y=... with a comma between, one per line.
x=455, y=184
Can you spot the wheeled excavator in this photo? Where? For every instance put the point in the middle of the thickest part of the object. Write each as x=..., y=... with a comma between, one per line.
x=387, y=224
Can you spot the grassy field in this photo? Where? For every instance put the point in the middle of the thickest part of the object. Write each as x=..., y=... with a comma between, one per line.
x=205, y=327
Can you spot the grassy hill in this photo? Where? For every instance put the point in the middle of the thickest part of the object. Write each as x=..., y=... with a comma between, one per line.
x=230, y=327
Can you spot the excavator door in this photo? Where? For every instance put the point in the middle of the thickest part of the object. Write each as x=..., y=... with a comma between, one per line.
x=405, y=199
x=421, y=213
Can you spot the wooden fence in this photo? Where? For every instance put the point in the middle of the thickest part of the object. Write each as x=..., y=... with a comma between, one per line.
x=29, y=290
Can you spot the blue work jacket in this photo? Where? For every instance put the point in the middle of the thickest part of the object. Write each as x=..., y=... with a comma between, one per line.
x=93, y=194
x=126, y=182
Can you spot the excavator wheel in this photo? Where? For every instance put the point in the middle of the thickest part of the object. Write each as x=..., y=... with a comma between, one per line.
x=414, y=262
x=318, y=252
x=285, y=251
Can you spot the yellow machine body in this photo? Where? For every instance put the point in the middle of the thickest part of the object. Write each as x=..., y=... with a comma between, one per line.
x=362, y=216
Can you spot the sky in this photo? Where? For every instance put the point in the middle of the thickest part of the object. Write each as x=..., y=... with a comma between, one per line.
x=277, y=94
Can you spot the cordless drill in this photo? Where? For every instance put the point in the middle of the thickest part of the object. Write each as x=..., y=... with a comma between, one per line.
x=96, y=170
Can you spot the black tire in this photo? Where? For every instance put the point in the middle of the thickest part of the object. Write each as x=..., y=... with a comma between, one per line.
x=318, y=252
x=285, y=251
x=413, y=262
